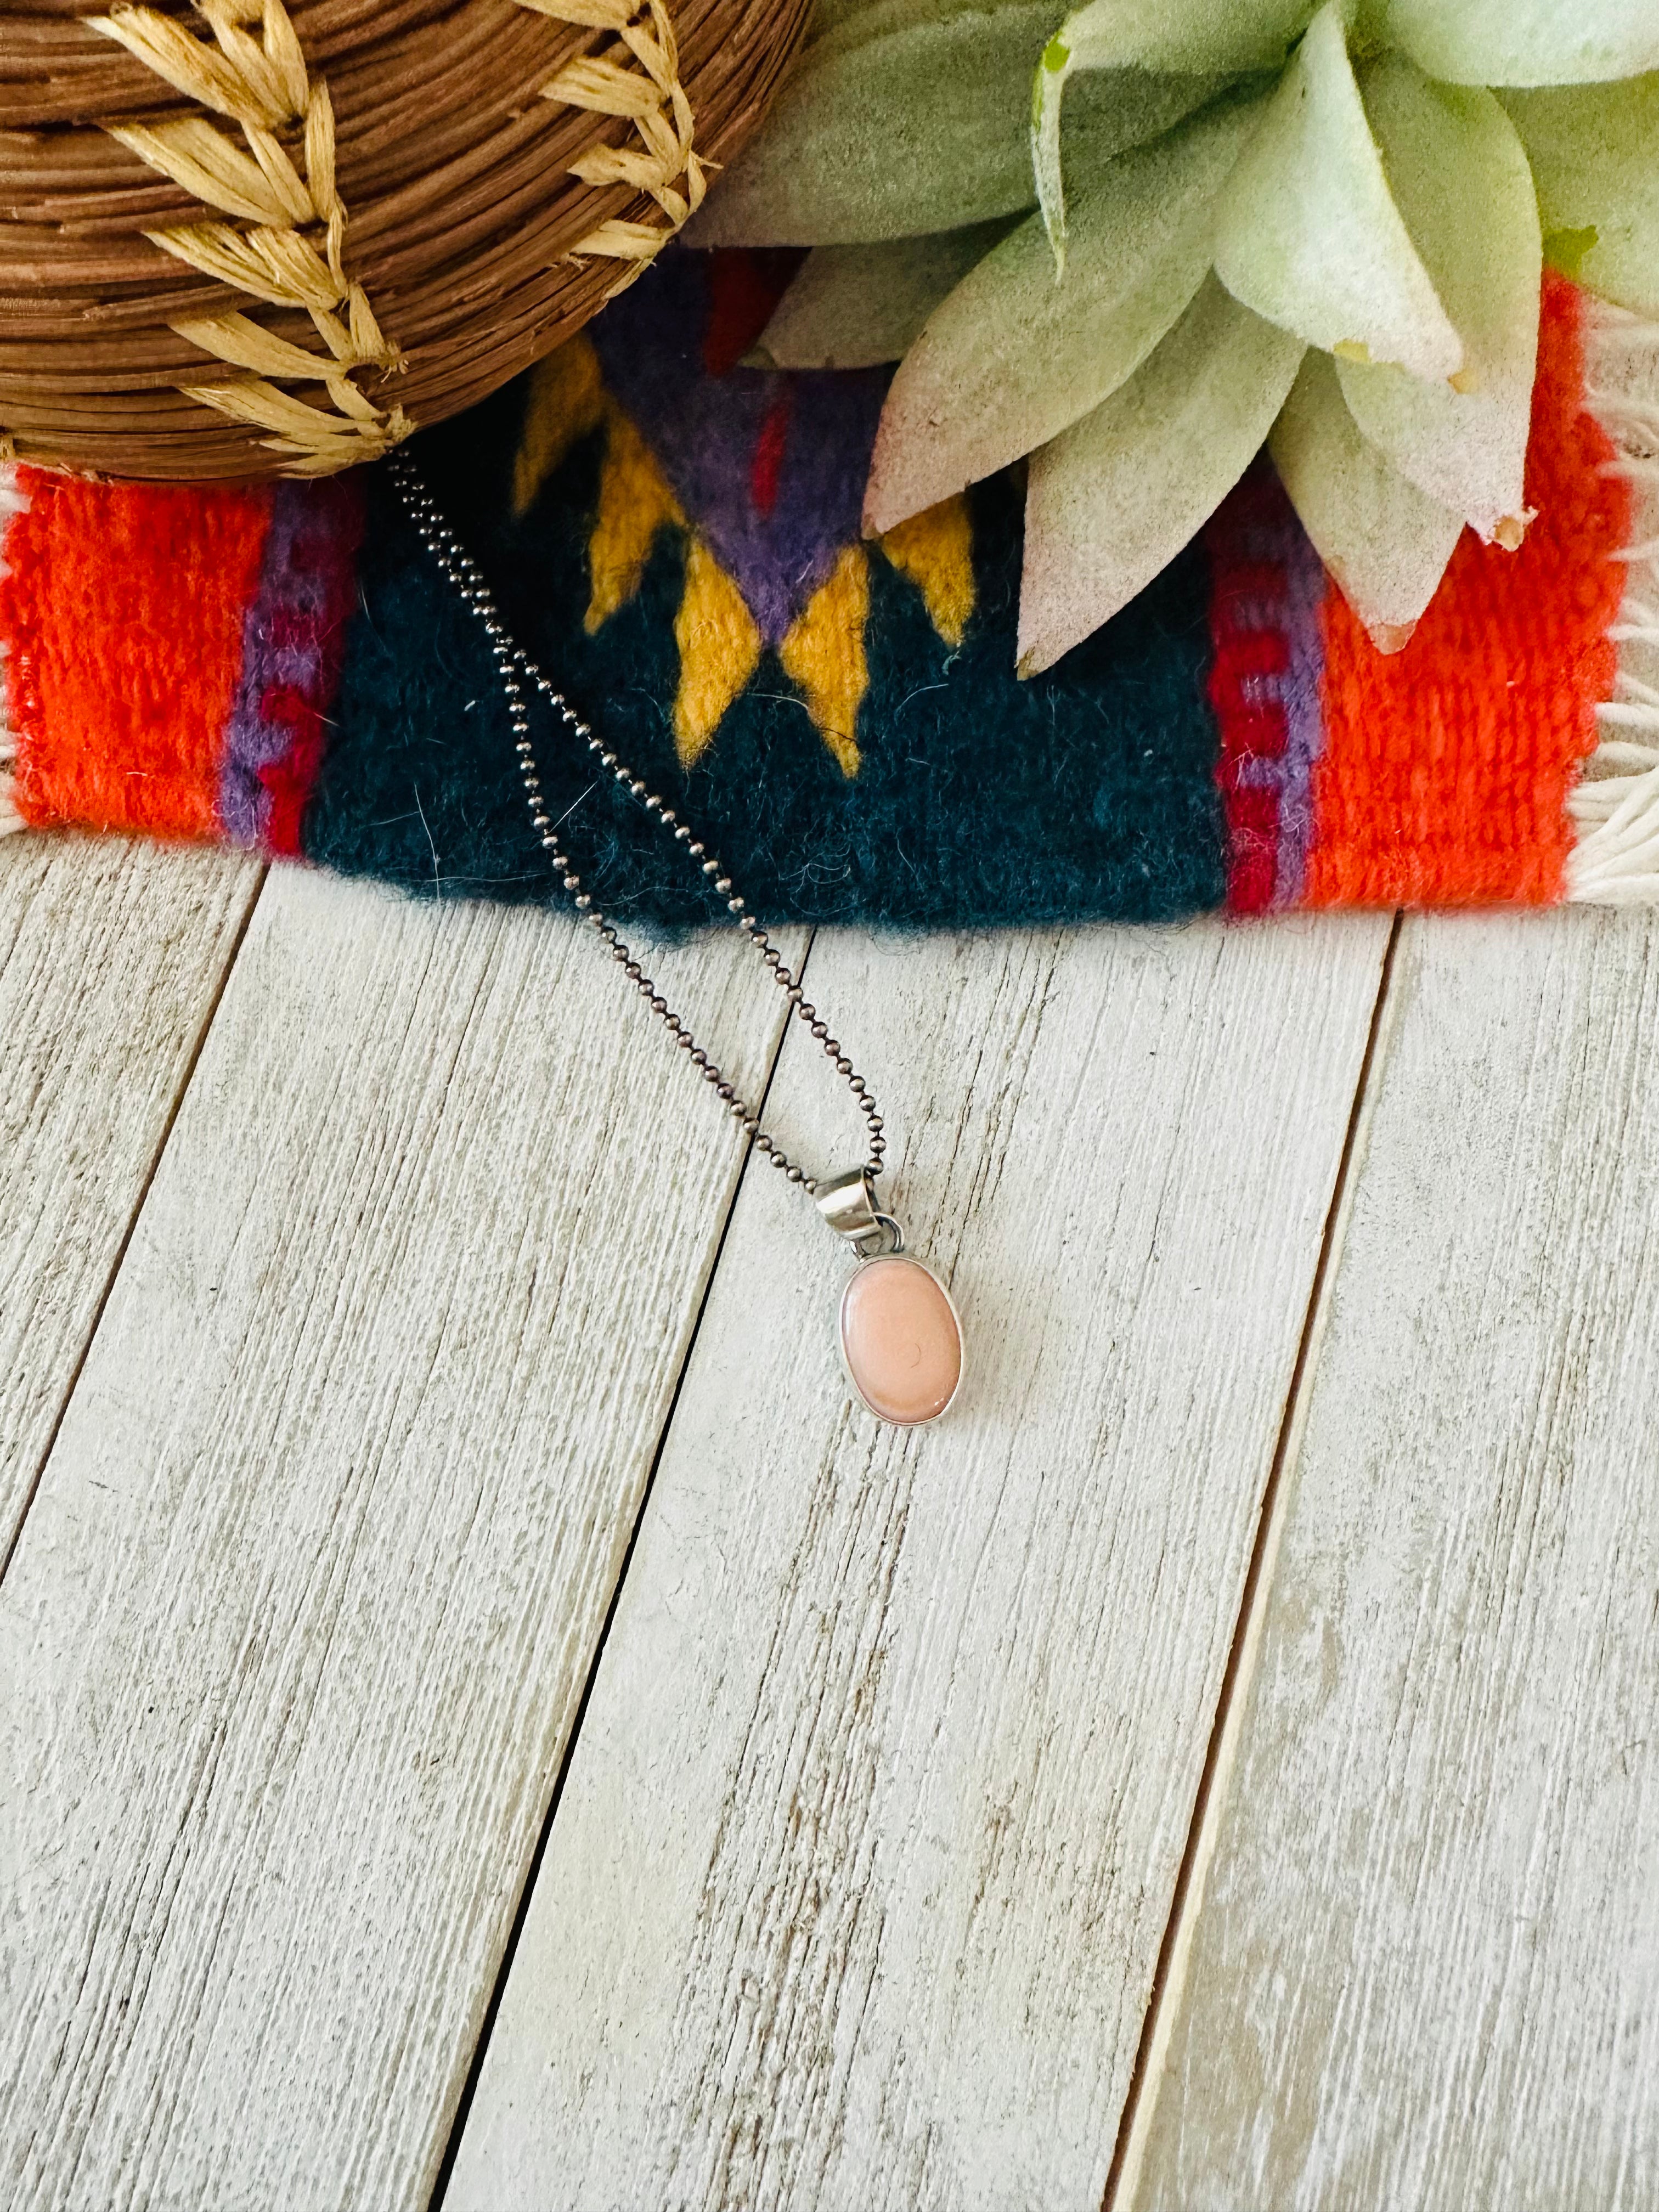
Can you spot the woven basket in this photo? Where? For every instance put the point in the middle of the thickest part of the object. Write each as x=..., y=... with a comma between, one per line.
x=249, y=238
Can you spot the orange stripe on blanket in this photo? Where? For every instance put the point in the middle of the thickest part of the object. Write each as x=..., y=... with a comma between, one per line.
x=1446, y=767
x=122, y=615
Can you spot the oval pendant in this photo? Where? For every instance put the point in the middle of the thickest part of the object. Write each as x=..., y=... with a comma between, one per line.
x=901, y=1339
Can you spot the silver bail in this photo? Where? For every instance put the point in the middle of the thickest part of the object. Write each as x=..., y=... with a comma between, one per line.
x=848, y=1204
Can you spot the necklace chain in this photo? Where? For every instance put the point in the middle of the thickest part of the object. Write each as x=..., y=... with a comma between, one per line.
x=517, y=669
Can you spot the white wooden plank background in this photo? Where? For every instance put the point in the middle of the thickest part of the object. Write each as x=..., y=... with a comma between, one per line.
x=1425, y=1969
x=301, y=1612
x=864, y=1855
x=860, y=1870
x=112, y=957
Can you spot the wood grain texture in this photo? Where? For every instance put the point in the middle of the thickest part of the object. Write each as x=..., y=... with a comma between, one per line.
x=112, y=957
x=1424, y=1969
x=301, y=1615
x=867, y=1845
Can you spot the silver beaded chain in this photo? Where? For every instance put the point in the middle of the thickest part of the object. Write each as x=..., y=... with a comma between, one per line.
x=516, y=669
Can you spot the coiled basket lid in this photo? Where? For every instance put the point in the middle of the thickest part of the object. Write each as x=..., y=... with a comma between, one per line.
x=249, y=238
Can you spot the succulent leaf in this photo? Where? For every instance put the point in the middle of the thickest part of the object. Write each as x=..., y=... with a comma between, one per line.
x=843, y=24
x=910, y=118
x=1525, y=42
x=1213, y=39
x=1310, y=235
x=1385, y=210
x=1386, y=543
x=1595, y=158
x=887, y=133
x=1202, y=35
x=835, y=18
x=1460, y=180
x=852, y=306
x=850, y=19
x=1113, y=499
x=1012, y=357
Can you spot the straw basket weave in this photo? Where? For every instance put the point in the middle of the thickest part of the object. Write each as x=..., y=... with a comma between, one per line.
x=245, y=238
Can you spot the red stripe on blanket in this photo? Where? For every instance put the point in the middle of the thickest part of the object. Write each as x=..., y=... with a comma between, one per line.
x=122, y=614
x=1446, y=768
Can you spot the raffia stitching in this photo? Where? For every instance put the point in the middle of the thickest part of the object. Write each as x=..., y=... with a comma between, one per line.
x=284, y=240
x=637, y=76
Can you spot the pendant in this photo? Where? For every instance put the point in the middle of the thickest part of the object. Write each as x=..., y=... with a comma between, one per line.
x=900, y=1338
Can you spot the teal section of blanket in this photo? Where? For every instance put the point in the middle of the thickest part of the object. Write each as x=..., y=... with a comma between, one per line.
x=1085, y=793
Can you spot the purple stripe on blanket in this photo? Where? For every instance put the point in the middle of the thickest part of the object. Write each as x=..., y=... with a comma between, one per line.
x=1294, y=609
x=292, y=640
x=1305, y=585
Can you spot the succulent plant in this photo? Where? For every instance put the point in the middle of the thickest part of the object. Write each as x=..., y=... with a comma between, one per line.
x=1135, y=244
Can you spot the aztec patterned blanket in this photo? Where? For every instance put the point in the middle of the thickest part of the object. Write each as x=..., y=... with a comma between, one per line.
x=676, y=538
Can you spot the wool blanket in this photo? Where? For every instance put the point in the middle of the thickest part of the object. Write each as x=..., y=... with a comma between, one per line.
x=675, y=535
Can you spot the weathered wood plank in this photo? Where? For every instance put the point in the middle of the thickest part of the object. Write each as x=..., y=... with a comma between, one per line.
x=303, y=1608
x=1425, y=1970
x=866, y=1848
x=112, y=957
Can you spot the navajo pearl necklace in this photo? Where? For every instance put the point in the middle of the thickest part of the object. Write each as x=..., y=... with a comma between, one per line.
x=901, y=1339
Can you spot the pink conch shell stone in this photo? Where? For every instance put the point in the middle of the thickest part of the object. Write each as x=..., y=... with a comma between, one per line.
x=902, y=1344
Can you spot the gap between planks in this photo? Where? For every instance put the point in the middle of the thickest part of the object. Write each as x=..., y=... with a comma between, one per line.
x=1168, y=1977
x=458, y=2119
x=169, y=1122
x=1233, y=1682
x=289, y=1134
x=171, y=1108
x=901, y=1808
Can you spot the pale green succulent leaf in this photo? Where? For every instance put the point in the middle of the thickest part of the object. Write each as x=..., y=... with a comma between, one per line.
x=846, y=19
x=1012, y=357
x=1524, y=42
x=854, y=307
x=1207, y=36
x=918, y=128
x=843, y=24
x=1460, y=180
x=841, y=18
x=1215, y=39
x=1310, y=236
x=1386, y=543
x=1595, y=158
x=1112, y=501
x=1110, y=112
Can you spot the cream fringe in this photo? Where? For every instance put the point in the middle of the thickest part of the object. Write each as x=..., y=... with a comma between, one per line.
x=12, y=501
x=1615, y=862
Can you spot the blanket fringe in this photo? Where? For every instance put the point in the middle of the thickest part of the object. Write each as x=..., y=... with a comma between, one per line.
x=13, y=500
x=1615, y=862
